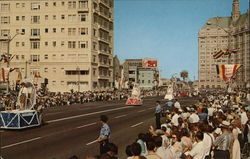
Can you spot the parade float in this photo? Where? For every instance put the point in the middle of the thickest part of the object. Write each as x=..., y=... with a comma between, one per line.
x=135, y=98
x=170, y=93
x=23, y=114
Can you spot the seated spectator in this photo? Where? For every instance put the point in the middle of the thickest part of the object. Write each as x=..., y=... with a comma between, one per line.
x=151, y=151
x=142, y=141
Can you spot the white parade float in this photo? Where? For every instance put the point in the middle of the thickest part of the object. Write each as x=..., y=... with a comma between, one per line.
x=135, y=98
x=24, y=116
x=170, y=93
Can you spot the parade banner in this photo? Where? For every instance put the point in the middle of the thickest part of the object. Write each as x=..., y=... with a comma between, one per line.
x=225, y=52
x=5, y=73
x=149, y=63
x=227, y=72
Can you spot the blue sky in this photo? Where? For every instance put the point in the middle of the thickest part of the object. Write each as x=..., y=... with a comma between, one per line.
x=165, y=30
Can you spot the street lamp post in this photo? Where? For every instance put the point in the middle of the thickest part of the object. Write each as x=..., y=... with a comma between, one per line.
x=26, y=68
x=78, y=76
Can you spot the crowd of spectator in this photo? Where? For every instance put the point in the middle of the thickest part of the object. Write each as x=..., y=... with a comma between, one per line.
x=216, y=127
x=68, y=98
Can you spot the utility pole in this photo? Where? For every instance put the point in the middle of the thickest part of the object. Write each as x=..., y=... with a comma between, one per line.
x=78, y=74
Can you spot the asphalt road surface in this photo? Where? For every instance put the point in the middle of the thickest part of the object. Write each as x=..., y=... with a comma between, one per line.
x=73, y=130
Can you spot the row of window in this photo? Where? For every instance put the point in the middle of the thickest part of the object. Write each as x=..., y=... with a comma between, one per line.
x=71, y=44
x=208, y=86
x=36, y=32
x=36, y=58
x=36, y=19
x=37, y=6
x=149, y=82
x=82, y=4
x=36, y=45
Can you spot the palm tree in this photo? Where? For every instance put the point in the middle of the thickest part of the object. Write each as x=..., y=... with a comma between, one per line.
x=184, y=74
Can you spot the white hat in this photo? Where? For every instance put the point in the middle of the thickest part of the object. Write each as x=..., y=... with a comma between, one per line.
x=164, y=125
x=225, y=124
x=218, y=131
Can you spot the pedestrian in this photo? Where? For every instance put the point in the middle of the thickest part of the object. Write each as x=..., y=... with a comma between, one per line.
x=158, y=112
x=104, y=137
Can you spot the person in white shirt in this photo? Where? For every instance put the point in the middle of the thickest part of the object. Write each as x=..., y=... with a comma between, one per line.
x=243, y=116
x=198, y=152
x=207, y=140
x=177, y=104
x=210, y=111
x=175, y=117
x=194, y=118
x=160, y=150
x=151, y=151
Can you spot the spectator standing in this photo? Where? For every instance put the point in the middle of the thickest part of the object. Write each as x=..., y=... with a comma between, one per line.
x=197, y=152
x=104, y=136
x=169, y=105
x=223, y=142
x=236, y=145
x=193, y=118
x=177, y=104
x=158, y=112
x=175, y=117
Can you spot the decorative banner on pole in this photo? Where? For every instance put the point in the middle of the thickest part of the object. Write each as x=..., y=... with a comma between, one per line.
x=225, y=52
x=149, y=63
x=227, y=72
x=5, y=73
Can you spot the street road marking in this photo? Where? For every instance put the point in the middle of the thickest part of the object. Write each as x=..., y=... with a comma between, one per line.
x=88, y=114
x=141, y=111
x=136, y=124
x=120, y=116
x=86, y=125
x=91, y=142
x=115, y=104
x=22, y=142
x=151, y=108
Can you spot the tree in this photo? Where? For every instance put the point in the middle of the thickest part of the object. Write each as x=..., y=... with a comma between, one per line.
x=184, y=74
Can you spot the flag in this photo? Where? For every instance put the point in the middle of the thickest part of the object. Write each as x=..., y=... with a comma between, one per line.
x=227, y=72
x=232, y=51
x=218, y=54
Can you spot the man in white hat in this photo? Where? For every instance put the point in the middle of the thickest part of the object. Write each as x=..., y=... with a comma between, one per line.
x=223, y=142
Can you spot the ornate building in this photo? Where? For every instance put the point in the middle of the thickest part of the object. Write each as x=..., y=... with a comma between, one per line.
x=222, y=33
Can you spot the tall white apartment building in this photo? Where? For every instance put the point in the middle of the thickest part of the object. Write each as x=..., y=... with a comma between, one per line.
x=69, y=42
x=222, y=33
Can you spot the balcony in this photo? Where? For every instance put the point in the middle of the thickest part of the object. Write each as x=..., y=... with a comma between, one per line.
x=103, y=40
x=106, y=77
x=83, y=10
x=35, y=37
x=4, y=38
x=102, y=64
x=103, y=28
x=104, y=16
x=101, y=52
x=104, y=3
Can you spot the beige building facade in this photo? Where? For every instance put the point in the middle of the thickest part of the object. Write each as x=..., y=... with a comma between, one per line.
x=69, y=42
x=222, y=33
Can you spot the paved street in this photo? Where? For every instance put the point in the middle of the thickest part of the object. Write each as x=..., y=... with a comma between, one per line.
x=72, y=130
